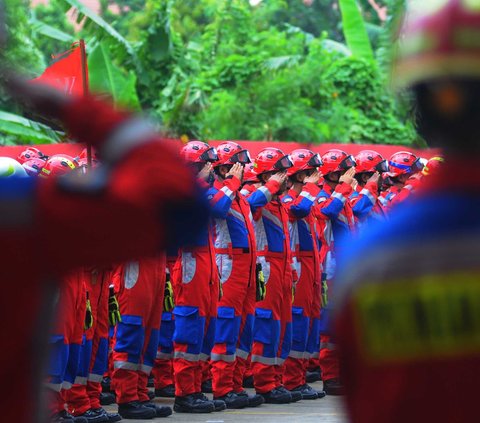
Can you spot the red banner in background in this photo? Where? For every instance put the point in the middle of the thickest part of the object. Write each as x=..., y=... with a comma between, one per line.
x=253, y=146
x=67, y=72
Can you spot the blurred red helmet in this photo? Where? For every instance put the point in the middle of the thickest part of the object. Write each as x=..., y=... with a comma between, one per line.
x=304, y=159
x=230, y=152
x=58, y=165
x=370, y=161
x=403, y=163
x=30, y=153
x=271, y=160
x=249, y=174
x=198, y=152
x=34, y=166
x=433, y=165
x=336, y=161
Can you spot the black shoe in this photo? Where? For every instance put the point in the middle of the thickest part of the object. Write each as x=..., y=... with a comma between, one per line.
x=232, y=400
x=248, y=382
x=112, y=417
x=313, y=377
x=207, y=386
x=161, y=411
x=151, y=395
x=192, y=404
x=135, y=410
x=166, y=392
x=61, y=417
x=296, y=396
x=253, y=400
x=106, y=384
x=151, y=382
x=333, y=387
x=93, y=416
x=218, y=404
x=308, y=393
x=107, y=398
x=275, y=396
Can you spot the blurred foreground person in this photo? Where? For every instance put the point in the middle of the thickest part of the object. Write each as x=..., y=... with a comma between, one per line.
x=408, y=324
x=141, y=201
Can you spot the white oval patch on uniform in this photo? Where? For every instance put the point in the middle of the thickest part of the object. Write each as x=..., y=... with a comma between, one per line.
x=132, y=271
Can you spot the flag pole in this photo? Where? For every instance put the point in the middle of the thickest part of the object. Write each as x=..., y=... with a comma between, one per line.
x=83, y=55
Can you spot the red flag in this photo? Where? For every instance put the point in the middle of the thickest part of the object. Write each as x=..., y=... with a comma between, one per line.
x=68, y=72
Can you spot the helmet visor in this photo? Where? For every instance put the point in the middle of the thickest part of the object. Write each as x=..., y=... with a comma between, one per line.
x=315, y=161
x=417, y=165
x=348, y=162
x=382, y=166
x=242, y=157
x=284, y=163
x=209, y=155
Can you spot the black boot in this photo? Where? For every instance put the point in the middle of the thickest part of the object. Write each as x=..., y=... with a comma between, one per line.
x=107, y=398
x=218, y=404
x=276, y=396
x=253, y=400
x=192, y=404
x=93, y=416
x=333, y=387
x=232, y=400
x=296, y=396
x=248, y=382
x=207, y=386
x=166, y=392
x=308, y=393
x=135, y=410
x=61, y=417
x=112, y=417
x=160, y=410
x=313, y=377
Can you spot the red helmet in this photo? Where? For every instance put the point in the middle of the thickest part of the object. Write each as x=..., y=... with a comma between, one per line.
x=433, y=165
x=336, y=161
x=58, y=165
x=439, y=38
x=403, y=163
x=271, y=160
x=370, y=161
x=230, y=152
x=29, y=154
x=304, y=159
x=198, y=152
x=34, y=166
x=249, y=174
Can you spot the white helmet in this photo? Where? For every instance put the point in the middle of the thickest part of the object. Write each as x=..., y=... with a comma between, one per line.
x=11, y=168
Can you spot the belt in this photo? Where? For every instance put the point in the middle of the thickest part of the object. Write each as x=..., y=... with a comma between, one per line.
x=232, y=250
x=271, y=254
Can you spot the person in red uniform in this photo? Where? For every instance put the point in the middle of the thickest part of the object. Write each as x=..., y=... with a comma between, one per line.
x=139, y=286
x=300, y=201
x=272, y=329
x=235, y=250
x=406, y=321
x=83, y=398
x=196, y=286
x=143, y=200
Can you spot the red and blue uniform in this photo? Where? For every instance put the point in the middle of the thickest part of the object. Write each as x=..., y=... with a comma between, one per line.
x=306, y=261
x=235, y=250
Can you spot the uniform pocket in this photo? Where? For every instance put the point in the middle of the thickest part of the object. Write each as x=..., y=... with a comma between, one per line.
x=130, y=335
x=300, y=325
x=263, y=326
x=226, y=330
x=187, y=325
x=58, y=358
x=189, y=267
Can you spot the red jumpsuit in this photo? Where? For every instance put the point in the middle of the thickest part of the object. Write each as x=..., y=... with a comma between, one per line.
x=272, y=330
x=85, y=393
x=140, y=287
x=134, y=210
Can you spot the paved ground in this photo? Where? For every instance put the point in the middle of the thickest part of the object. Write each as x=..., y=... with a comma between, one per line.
x=326, y=410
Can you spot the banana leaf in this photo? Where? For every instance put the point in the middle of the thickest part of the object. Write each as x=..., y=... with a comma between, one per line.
x=26, y=131
x=105, y=77
x=355, y=31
